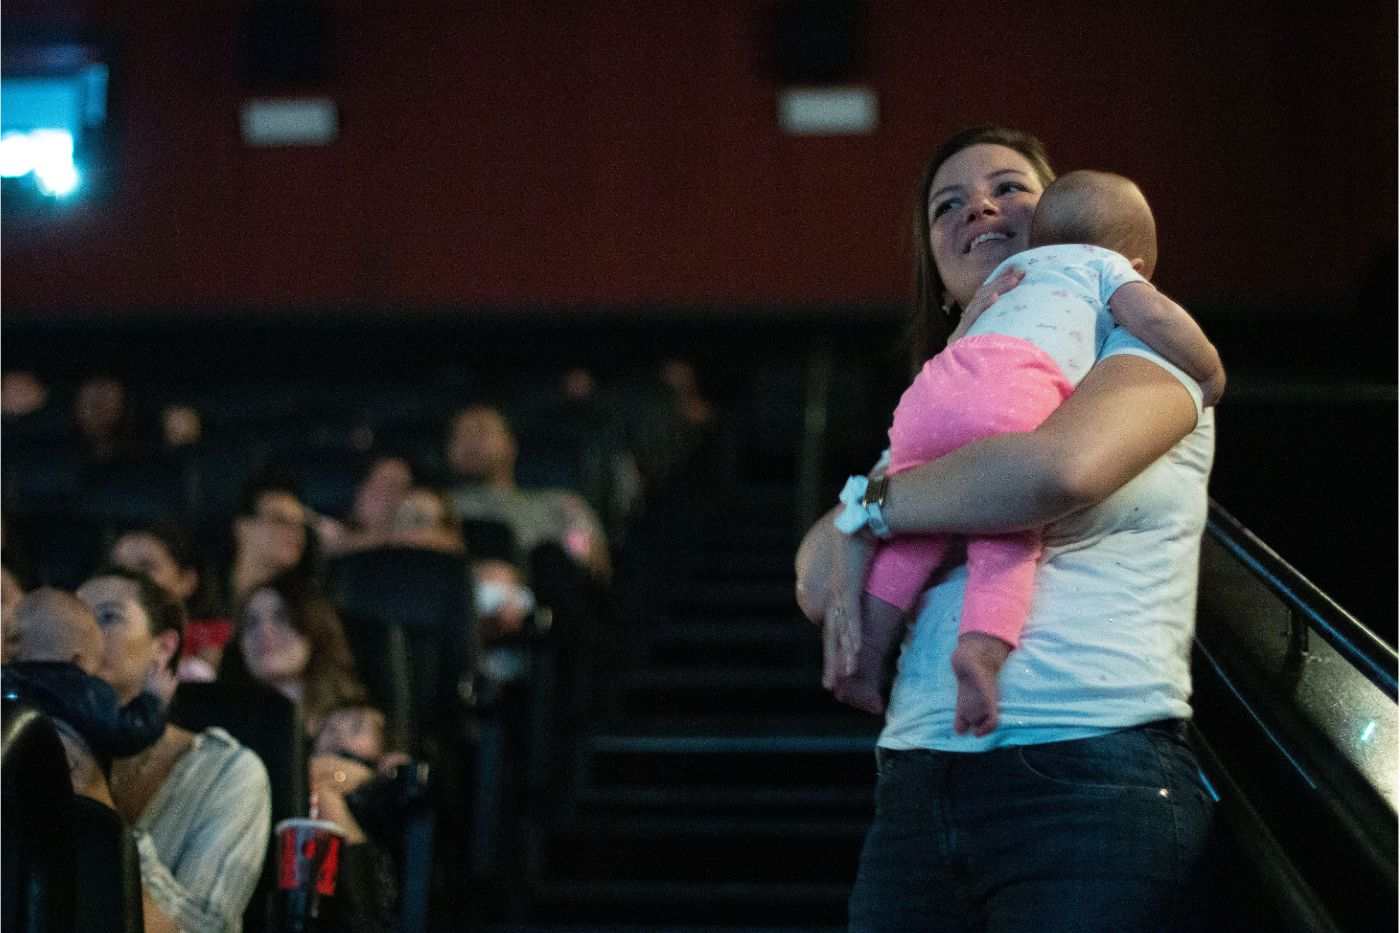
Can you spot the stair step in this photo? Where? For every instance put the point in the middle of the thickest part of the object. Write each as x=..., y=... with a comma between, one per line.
x=698, y=797
x=736, y=595
x=706, y=848
x=783, y=644
x=650, y=928
x=731, y=744
x=726, y=629
x=673, y=907
x=719, y=678
x=734, y=761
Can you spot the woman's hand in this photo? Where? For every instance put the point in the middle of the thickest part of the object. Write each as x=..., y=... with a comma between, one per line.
x=332, y=779
x=841, y=627
x=986, y=296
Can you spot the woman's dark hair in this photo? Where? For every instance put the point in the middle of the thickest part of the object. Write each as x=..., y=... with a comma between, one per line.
x=330, y=679
x=929, y=323
x=165, y=612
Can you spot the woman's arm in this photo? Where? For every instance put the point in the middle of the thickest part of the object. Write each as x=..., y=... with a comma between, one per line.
x=1126, y=413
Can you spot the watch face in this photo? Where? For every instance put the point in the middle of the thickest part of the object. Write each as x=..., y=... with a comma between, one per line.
x=875, y=491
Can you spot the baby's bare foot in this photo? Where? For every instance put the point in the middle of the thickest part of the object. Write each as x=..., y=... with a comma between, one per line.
x=860, y=692
x=976, y=663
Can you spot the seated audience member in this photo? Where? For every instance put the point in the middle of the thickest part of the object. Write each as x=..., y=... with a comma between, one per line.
x=481, y=452
x=377, y=498
x=165, y=553
x=288, y=635
x=103, y=418
x=199, y=805
x=10, y=594
x=22, y=393
x=269, y=537
x=180, y=426
x=503, y=601
x=57, y=650
x=352, y=777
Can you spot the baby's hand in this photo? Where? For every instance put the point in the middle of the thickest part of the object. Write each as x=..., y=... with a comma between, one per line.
x=1213, y=388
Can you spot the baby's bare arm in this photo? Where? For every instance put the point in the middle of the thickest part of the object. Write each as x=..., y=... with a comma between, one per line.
x=1166, y=327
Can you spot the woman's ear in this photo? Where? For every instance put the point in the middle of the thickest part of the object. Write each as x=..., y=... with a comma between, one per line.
x=167, y=643
x=1138, y=264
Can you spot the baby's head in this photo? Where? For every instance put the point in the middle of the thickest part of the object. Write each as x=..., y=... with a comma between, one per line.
x=51, y=625
x=1101, y=209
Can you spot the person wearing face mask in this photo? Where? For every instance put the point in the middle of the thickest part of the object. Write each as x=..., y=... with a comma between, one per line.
x=1084, y=804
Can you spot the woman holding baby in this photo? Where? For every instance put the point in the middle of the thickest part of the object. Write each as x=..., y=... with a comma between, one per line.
x=1082, y=809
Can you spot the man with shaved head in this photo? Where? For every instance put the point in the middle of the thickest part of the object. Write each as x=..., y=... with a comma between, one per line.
x=57, y=650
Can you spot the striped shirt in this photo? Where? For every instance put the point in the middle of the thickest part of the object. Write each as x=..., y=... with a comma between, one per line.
x=204, y=834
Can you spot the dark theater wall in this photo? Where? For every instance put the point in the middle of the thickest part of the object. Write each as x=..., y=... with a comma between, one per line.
x=514, y=155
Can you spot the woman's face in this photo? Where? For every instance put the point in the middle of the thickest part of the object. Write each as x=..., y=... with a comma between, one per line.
x=979, y=212
x=273, y=650
x=276, y=533
x=381, y=492
x=129, y=651
x=147, y=554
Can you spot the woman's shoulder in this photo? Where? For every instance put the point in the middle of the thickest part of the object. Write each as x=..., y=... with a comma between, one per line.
x=215, y=748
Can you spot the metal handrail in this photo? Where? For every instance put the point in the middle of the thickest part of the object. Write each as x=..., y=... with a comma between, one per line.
x=1343, y=631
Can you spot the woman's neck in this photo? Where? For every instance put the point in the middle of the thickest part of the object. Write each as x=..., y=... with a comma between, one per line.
x=136, y=779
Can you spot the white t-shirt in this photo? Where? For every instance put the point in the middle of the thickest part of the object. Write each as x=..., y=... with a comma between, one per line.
x=1061, y=305
x=1107, y=643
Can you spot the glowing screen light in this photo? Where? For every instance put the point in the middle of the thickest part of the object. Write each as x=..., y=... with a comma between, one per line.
x=16, y=155
x=47, y=153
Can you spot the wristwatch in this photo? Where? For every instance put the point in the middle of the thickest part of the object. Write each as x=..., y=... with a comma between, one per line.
x=864, y=500
x=877, y=487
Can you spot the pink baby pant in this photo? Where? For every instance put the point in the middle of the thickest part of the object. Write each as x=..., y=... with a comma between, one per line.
x=978, y=387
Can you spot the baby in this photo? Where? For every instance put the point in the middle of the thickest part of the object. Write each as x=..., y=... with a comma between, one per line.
x=1093, y=241
x=57, y=649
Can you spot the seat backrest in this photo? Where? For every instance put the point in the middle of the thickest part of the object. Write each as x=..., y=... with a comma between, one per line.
x=428, y=596
x=109, y=869
x=38, y=862
x=270, y=725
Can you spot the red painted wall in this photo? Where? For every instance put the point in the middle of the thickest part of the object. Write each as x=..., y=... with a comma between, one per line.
x=532, y=153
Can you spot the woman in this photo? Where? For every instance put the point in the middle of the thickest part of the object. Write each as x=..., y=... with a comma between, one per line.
x=1083, y=810
x=199, y=804
x=164, y=552
x=288, y=636
x=382, y=486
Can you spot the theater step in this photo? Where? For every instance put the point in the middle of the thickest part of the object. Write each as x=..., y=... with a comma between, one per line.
x=737, y=691
x=714, y=643
x=671, y=907
x=661, y=761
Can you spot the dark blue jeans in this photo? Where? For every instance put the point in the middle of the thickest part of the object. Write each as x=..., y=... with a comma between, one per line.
x=1104, y=834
